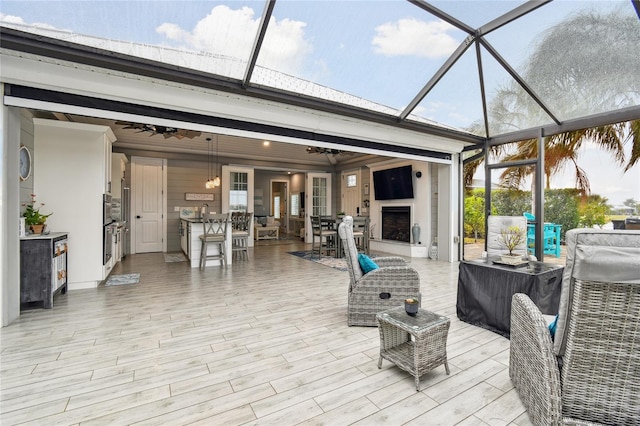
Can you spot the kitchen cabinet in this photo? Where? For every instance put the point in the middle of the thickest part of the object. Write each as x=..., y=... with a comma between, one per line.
x=43, y=269
x=118, y=167
x=118, y=232
x=71, y=169
x=185, y=237
x=107, y=167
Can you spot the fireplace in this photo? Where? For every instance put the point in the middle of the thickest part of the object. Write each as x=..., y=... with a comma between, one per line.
x=396, y=223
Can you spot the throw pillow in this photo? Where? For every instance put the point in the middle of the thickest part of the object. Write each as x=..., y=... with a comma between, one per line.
x=366, y=263
x=552, y=327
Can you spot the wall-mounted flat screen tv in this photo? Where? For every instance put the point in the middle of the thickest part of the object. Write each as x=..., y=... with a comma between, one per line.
x=393, y=184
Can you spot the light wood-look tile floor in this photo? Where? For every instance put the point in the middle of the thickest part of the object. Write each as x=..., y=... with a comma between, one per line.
x=265, y=341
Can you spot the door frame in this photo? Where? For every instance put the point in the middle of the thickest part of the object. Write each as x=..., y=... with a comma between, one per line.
x=135, y=160
x=284, y=221
x=225, y=188
x=308, y=210
x=358, y=190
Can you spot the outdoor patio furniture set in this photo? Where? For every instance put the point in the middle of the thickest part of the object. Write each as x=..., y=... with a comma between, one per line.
x=376, y=298
x=590, y=373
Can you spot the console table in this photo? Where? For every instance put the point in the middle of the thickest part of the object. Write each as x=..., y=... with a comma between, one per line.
x=485, y=290
x=267, y=232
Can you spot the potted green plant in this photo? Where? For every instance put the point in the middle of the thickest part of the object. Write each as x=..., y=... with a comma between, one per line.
x=511, y=238
x=32, y=216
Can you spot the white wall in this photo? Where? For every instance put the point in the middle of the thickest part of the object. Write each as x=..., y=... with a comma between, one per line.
x=9, y=215
x=69, y=177
x=420, y=204
x=448, y=212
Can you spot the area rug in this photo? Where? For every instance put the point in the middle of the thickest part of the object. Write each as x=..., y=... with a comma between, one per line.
x=123, y=279
x=332, y=262
x=174, y=257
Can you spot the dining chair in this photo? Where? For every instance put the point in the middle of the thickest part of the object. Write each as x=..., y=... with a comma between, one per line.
x=323, y=229
x=215, y=232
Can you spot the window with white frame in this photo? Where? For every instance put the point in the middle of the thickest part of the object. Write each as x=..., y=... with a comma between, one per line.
x=295, y=204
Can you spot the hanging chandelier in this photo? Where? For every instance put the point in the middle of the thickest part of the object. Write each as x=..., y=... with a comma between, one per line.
x=212, y=183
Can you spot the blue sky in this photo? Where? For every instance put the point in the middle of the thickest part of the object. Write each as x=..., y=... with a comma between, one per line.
x=385, y=55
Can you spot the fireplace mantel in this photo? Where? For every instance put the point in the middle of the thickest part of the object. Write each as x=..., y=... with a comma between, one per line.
x=399, y=249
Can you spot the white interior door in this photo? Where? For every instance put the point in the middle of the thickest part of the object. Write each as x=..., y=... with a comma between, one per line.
x=147, y=182
x=351, y=192
x=318, y=199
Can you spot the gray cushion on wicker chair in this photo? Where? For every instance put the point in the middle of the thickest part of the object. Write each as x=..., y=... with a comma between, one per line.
x=599, y=382
x=596, y=255
x=378, y=290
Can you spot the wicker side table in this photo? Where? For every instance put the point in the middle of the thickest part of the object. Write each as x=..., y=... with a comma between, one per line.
x=415, y=344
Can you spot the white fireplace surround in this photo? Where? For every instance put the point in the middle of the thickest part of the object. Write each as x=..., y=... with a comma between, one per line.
x=399, y=248
x=396, y=210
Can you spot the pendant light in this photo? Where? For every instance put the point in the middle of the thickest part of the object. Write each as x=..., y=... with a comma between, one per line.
x=216, y=180
x=209, y=184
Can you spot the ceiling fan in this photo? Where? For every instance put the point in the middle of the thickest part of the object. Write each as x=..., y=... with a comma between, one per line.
x=320, y=150
x=167, y=132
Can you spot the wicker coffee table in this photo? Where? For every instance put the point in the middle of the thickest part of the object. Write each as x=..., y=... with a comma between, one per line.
x=415, y=344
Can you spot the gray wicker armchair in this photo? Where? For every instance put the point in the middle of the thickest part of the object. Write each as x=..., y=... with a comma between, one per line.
x=378, y=290
x=590, y=373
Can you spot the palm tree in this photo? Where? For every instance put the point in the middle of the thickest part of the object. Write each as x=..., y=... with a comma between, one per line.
x=572, y=82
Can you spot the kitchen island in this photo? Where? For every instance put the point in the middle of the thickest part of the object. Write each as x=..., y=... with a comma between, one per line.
x=190, y=231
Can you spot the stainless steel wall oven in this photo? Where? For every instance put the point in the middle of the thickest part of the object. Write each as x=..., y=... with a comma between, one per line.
x=106, y=209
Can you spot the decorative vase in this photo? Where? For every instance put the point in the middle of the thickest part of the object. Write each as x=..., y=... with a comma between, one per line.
x=433, y=251
x=22, y=227
x=411, y=307
x=37, y=229
x=511, y=259
x=415, y=231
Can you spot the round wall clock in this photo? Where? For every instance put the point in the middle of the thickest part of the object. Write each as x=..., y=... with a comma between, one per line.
x=25, y=163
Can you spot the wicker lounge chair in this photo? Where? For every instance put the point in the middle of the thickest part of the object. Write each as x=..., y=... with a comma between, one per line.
x=379, y=289
x=597, y=341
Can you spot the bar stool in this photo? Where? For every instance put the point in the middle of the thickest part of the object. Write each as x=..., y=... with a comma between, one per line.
x=240, y=222
x=361, y=233
x=323, y=228
x=215, y=232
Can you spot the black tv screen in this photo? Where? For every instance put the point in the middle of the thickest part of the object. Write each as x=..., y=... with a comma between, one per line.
x=393, y=184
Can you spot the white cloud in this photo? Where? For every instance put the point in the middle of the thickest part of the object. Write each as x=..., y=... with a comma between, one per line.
x=11, y=19
x=232, y=32
x=285, y=47
x=411, y=37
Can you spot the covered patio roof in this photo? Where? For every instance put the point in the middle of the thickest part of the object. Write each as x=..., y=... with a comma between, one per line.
x=473, y=72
